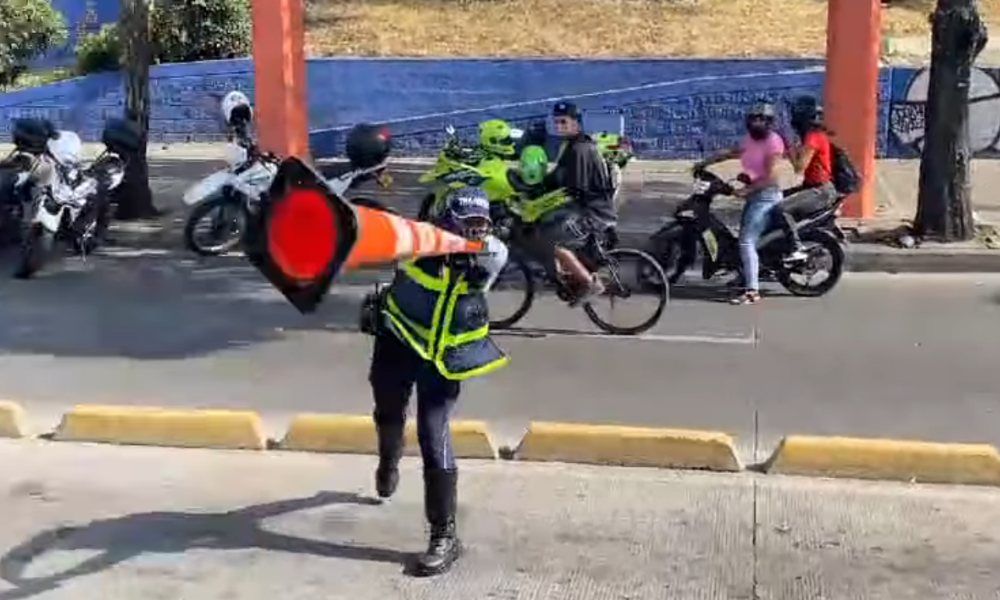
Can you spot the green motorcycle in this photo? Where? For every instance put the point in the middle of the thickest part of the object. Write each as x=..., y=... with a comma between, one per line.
x=485, y=165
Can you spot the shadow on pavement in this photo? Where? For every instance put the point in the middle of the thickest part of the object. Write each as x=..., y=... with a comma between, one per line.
x=123, y=538
x=155, y=306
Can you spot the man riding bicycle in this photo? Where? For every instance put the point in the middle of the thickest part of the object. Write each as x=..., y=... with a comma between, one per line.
x=583, y=174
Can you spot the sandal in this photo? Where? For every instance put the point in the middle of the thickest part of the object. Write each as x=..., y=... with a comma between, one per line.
x=747, y=297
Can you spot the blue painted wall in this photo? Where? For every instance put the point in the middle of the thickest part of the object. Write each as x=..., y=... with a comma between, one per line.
x=82, y=17
x=672, y=109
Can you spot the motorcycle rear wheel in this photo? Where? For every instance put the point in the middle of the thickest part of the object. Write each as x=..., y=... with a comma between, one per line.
x=815, y=241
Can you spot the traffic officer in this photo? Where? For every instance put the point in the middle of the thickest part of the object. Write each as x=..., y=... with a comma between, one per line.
x=431, y=331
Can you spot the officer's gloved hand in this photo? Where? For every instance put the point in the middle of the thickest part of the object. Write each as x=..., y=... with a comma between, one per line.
x=475, y=274
x=370, y=319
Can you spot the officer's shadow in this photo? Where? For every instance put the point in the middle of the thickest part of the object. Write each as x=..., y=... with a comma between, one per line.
x=122, y=538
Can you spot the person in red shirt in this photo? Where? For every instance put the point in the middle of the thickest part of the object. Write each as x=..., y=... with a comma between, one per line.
x=813, y=158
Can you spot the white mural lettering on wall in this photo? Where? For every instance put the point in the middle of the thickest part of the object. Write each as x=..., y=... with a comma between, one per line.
x=906, y=118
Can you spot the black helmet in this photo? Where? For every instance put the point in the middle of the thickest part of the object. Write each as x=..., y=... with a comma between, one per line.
x=367, y=145
x=805, y=112
x=761, y=111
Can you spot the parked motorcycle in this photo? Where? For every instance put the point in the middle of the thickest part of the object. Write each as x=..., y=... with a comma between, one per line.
x=228, y=198
x=15, y=195
x=694, y=226
x=617, y=152
x=70, y=200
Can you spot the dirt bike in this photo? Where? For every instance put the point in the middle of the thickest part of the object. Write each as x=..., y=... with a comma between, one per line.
x=71, y=199
x=226, y=199
x=458, y=166
x=695, y=227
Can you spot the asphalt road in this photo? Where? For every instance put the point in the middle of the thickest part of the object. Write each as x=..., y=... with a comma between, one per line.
x=883, y=355
x=649, y=195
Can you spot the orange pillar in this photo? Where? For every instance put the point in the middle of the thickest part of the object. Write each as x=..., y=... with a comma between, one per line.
x=281, y=101
x=853, y=48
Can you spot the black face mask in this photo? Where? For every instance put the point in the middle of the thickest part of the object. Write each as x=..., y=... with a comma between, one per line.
x=758, y=132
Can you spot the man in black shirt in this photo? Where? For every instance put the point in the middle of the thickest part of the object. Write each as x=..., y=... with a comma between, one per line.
x=583, y=173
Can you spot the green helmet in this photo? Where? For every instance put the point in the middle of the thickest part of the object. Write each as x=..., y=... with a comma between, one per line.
x=495, y=138
x=607, y=142
x=534, y=165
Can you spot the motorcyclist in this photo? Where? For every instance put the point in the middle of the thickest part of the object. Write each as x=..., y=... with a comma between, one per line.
x=583, y=173
x=813, y=158
x=431, y=328
x=758, y=153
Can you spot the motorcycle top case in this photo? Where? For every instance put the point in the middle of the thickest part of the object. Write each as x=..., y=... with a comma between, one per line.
x=32, y=135
x=301, y=236
x=122, y=136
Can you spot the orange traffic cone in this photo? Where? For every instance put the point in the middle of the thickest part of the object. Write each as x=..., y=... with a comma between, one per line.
x=306, y=236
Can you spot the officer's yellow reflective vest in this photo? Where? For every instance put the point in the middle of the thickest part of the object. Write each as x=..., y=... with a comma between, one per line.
x=431, y=308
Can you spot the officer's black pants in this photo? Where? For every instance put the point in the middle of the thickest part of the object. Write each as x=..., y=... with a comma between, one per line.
x=395, y=369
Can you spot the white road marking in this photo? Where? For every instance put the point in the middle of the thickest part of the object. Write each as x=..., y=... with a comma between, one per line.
x=528, y=332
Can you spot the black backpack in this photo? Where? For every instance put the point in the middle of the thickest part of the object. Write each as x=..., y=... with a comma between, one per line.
x=845, y=177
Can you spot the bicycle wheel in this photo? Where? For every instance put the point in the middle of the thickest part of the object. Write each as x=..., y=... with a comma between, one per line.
x=627, y=281
x=512, y=294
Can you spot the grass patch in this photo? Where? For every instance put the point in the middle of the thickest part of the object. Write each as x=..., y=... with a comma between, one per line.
x=594, y=28
x=39, y=78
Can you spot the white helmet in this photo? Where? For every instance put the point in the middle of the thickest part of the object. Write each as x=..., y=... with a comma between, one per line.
x=233, y=101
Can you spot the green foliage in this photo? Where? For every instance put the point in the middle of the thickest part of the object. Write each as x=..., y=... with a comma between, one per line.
x=191, y=30
x=28, y=29
x=98, y=52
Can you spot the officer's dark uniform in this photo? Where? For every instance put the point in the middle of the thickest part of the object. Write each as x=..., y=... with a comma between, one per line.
x=434, y=334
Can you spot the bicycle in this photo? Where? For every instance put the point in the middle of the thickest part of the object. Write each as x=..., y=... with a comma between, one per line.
x=600, y=254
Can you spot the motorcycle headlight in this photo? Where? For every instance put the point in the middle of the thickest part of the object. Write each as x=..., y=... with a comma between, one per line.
x=234, y=154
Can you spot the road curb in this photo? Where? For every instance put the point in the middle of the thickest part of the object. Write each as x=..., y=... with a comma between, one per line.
x=354, y=434
x=628, y=446
x=12, y=420
x=883, y=259
x=578, y=443
x=886, y=459
x=147, y=426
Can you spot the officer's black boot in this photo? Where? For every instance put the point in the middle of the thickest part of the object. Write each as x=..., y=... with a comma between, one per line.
x=390, y=451
x=440, y=505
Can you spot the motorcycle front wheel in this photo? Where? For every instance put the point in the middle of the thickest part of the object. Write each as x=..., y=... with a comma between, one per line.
x=223, y=217
x=38, y=245
x=426, y=207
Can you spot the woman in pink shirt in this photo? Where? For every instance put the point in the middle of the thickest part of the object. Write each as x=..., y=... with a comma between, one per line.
x=758, y=152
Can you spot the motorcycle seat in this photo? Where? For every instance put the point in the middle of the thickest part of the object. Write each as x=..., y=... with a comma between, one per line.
x=335, y=170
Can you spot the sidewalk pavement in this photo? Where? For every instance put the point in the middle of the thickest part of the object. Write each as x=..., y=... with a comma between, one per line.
x=95, y=522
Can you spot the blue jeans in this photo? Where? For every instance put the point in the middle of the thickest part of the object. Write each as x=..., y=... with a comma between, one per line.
x=757, y=215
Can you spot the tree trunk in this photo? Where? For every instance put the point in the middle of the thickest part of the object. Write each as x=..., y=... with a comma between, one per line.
x=944, y=206
x=134, y=197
